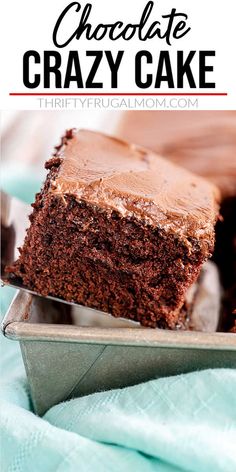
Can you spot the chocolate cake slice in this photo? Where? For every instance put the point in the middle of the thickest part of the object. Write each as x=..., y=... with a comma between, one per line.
x=119, y=229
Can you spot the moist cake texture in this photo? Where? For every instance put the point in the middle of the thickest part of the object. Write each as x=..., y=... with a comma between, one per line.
x=119, y=229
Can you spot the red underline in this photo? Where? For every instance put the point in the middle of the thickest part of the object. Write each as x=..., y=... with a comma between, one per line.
x=111, y=94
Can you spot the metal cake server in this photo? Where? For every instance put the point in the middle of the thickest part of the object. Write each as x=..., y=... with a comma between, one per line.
x=14, y=222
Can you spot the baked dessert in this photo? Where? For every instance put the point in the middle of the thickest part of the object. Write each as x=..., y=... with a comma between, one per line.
x=119, y=229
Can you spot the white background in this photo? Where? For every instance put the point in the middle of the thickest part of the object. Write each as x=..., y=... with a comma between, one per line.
x=28, y=24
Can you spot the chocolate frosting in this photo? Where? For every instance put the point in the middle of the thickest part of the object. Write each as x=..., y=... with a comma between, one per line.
x=202, y=141
x=114, y=175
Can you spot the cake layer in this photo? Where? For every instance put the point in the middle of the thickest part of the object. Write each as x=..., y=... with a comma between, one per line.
x=116, y=265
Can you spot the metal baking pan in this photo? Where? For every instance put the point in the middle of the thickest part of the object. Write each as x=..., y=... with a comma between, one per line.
x=68, y=360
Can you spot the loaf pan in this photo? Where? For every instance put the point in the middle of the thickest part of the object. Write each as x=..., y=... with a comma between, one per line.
x=64, y=361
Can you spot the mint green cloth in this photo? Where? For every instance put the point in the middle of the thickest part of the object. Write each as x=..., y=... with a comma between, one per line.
x=181, y=423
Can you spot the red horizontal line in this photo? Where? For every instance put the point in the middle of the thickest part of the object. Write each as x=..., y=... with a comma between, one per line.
x=111, y=94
